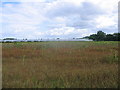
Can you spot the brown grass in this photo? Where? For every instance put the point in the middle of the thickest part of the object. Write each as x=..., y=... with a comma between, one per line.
x=60, y=64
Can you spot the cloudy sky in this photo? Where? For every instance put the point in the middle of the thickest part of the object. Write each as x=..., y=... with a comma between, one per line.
x=57, y=18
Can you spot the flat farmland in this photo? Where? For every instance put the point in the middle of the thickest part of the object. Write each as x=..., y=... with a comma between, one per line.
x=63, y=64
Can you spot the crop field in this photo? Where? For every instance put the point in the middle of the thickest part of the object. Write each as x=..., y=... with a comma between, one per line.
x=70, y=64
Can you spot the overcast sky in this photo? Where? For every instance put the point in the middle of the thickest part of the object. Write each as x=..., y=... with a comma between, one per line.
x=57, y=18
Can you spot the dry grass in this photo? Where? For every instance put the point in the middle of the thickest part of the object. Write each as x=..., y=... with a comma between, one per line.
x=60, y=65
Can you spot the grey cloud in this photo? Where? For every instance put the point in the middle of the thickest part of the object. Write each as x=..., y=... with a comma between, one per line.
x=62, y=9
x=67, y=9
x=77, y=22
x=83, y=24
x=77, y=16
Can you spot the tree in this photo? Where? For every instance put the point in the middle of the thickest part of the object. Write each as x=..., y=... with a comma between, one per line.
x=58, y=38
x=9, y=39
x=109, y=37
x=93, y=37
x=116, y=36
x=100, y=36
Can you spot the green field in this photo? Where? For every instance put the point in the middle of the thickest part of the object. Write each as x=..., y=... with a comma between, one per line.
x=73, y=64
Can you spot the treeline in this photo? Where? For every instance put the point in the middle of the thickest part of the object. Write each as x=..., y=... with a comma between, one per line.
x=101, y=36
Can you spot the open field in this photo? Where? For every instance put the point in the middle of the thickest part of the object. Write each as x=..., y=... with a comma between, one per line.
x=60, y=64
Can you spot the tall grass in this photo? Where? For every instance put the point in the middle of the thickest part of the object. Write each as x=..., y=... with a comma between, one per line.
x=60, y=65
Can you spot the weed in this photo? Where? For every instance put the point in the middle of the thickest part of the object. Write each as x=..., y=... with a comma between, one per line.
x=60, y=65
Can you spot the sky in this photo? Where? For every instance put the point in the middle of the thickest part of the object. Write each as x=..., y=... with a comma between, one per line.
x=34, y=19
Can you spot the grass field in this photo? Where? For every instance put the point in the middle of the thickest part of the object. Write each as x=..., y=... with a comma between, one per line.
x=60, y=64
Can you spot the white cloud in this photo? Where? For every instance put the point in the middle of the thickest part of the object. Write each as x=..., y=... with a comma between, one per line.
x=24, y=1
x=62, y=31
x=62, y=18
x=105, y=21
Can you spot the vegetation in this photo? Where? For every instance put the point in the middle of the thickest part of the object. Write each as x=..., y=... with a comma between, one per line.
x=9, y=39
x=60, y=65
x=101, y=36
